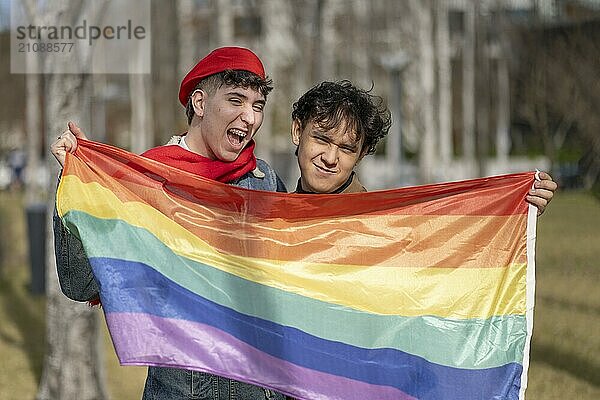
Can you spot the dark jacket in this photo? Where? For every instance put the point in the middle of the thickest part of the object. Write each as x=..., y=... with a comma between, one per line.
x=352, y=185
x=355, y=186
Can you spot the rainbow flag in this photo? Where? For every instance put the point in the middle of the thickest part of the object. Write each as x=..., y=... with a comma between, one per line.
x=414, y=293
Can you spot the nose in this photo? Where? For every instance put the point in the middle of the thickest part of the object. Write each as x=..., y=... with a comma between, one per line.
x=330, y=155
x=248, y=116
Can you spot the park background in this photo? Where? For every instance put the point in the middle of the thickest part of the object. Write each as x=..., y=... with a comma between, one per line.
x=476, y=88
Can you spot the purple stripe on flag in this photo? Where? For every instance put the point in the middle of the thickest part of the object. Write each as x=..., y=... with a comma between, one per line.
x=167, y=342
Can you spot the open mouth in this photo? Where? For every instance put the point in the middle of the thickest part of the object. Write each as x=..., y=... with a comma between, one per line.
x=236, y=136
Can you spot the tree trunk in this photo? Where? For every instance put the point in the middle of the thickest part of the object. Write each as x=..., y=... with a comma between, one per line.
x=279, y=53
x=317, y=45
x=427, y=75
x=186, y=56
x=329, y=42
x=142, y=127
x=503, y=119
x=482, y=93
x=224, y=22
x=33, y=131
x=445, y=86
x=468, y=84
x=164, y=72
x=73, y=363
x=361, y=41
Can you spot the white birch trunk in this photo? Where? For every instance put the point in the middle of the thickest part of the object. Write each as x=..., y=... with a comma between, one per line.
x=360, y=46
x=224, y=23
x=445, y=89
x=187, y=47
x=33, y=131
x=280, y=52
x=468, y=83
x=482, y=93
x=141, y=107
x=327, y=55
x=427, y=75
x=165, y=76
x=503, y=119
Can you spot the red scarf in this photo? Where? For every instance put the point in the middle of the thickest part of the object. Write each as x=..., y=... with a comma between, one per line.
x=222, y=171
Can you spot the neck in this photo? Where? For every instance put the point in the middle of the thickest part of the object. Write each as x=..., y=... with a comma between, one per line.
x=195, y=143
x=340, y=189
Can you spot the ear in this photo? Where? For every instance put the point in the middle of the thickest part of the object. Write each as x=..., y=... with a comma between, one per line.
x=199, y=102
x=296, y=132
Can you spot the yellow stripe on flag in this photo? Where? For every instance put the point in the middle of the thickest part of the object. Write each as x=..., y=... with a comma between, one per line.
x=463, y=293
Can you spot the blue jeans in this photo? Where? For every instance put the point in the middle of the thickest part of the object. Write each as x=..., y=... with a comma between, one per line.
x=172, y=383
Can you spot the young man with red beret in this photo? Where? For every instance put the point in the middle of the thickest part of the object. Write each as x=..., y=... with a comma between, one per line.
x=224, y=95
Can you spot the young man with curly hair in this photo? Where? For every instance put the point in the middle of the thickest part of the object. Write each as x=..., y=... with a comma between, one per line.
x=336, y=124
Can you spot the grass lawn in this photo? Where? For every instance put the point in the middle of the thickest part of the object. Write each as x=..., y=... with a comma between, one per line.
x=22, y=325
x=566, y=344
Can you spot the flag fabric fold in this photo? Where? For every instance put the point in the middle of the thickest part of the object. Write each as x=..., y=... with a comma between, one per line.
x=414, y=293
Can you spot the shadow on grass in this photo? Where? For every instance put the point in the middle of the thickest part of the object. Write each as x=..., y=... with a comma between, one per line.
x=27, y=314
x=20, y=311
x=572, y=364
x=568, y=305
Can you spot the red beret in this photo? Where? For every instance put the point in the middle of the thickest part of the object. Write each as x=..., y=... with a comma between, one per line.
x=217, y=61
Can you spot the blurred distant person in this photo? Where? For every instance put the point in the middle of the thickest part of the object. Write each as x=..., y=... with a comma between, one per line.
x=17, y=160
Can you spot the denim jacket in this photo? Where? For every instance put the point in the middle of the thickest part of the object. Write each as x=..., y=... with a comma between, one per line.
x=77, y=283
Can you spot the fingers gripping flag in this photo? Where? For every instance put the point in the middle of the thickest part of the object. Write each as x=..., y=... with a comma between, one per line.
x=414, y=293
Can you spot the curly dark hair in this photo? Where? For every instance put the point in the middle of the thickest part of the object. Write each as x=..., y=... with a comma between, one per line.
x=230, y=77
x=330, y=104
